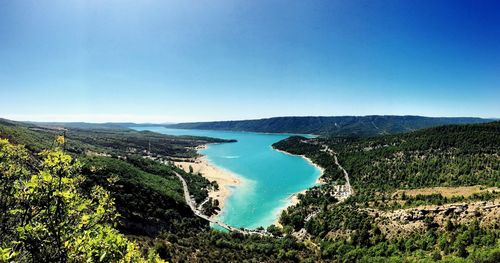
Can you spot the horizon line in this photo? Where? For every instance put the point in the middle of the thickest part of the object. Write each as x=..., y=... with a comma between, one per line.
x=162, y=122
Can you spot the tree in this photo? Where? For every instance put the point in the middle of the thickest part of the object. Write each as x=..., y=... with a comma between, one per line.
x=49, y=218
x=13, y=168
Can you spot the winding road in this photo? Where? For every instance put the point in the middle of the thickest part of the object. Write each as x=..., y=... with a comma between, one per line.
x=348, y=187
x=343, y=193
x=197, y=212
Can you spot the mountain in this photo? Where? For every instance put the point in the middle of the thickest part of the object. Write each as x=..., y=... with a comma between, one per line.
x=433, y=193
x=90, y=125
x=136, y=169
x=426, y=195
x=334, y=126
x=105, y=138
x=148, y=195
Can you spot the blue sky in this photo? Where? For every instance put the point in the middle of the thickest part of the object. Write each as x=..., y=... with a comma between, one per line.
x=156, y=61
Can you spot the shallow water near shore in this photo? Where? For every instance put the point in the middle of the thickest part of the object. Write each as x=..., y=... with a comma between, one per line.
x=269, y=177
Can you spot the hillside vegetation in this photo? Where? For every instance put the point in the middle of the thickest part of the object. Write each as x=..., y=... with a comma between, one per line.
x=392, y=215
x=146, y=200
x=104, y=141
x=147, y=194
x=46, y=216
x=359, y=126
x=376, y=222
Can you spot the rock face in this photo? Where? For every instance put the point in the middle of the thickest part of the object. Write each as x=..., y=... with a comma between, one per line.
x=418, y=219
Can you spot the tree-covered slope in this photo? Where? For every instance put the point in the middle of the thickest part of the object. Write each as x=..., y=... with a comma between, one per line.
x=333, y=126
x=103, y=140
x=147, y=195
x=446, y=155
x=377, y=223
x=377, y=220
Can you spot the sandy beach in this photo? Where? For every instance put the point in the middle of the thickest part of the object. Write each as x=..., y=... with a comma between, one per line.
x=322, y=170
x=224, y=179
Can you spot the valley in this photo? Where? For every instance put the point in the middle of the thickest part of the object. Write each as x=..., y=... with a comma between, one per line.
x=376, y=193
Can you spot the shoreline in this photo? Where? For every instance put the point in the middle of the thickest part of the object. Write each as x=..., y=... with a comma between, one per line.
x=225, y=179
x=270, y=133
x=228, y=180
x=293, y=199
x=321, y=169
x=290, y=201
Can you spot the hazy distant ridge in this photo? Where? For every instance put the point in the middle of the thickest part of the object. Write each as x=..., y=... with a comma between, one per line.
x=333, y=125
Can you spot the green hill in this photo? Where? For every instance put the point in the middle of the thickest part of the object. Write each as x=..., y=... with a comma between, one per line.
x=458, y=218
x=333, y=126
x=395, y=213
x=147, y=195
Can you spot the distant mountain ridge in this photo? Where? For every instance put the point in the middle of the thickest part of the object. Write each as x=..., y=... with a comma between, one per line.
x=91, y=125
x=333, y=125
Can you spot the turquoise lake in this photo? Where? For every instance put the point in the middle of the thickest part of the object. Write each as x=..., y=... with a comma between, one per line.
x=269, y=177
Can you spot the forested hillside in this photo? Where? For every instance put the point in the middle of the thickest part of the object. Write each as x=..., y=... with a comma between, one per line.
x=331, y=126
x=427, y=195
x=103, y=140
x=147, y=203
x=381, y=218
x=147, y=194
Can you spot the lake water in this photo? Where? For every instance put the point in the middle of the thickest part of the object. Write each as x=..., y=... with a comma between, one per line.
x=269, y=177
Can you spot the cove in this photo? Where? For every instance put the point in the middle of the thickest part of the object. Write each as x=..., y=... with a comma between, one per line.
x=269, y=177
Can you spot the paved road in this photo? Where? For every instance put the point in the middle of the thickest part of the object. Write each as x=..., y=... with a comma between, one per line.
x=346, y=175
x=200, y=206
x=347, y=189
x=192, y=205
x=197, y=212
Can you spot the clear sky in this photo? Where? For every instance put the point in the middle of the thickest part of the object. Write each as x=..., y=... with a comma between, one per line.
x=159, y=61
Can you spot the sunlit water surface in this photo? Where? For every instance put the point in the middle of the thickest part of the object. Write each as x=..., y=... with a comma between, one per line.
x=269, y=177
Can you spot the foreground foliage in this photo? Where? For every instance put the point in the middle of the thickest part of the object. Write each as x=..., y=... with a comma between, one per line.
x=46, y=217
